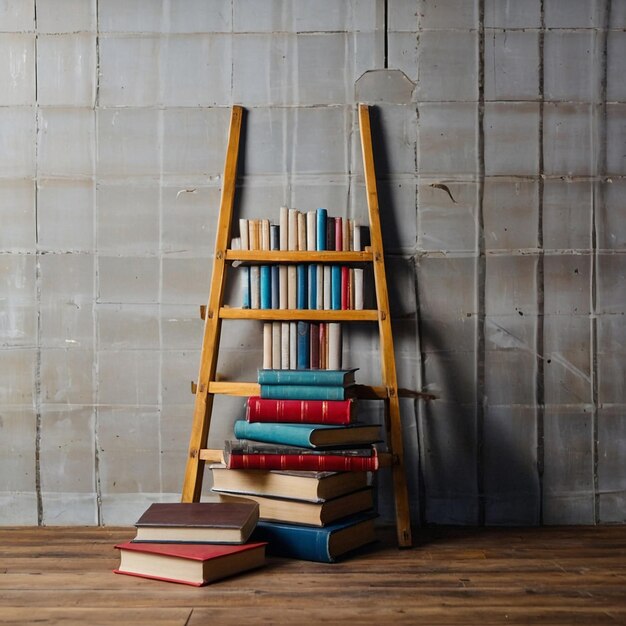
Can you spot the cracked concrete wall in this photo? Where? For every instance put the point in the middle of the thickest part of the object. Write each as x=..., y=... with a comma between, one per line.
x=500, y=131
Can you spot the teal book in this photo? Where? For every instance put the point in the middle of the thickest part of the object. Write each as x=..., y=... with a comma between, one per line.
x=303, y=361
x=306, y=377
x=311, y=543
x=308, y=435
x=266, y=287
x=335, y=287
x=306, y=392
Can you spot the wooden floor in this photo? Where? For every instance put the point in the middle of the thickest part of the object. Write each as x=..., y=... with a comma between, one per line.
x=454, y=576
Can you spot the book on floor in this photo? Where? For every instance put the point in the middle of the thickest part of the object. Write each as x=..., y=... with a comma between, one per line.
x=206, y=522
x=308, y=435
x=311, y=486
x=324, y=545
x=191, y=564
x=250, y=455
x=300, y=512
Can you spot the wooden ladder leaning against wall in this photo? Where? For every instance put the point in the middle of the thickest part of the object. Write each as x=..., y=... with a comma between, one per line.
x=207, y=385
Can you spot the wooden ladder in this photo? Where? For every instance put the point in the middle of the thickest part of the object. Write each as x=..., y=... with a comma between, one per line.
x=213, y=314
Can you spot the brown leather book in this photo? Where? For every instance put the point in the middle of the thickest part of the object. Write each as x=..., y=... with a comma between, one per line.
x=201, y=522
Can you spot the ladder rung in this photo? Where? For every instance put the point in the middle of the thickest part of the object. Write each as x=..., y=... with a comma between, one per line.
x=365, y=315
x=299, y=256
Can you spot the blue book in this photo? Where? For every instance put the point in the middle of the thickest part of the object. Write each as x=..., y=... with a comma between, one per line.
x=335, y=287
x=306, y=377
x=275, y=272
x=312, y=286
x=245, y=296
x=310, y=543
x=321, y=215
x=308, y=435
x=305, y=392
x=301, y=288
x=303, y=358
x=266, y=287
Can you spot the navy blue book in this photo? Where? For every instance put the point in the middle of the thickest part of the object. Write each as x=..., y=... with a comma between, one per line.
x=303, y=345
x=312, y=286
x=311, y=543
x=302, y=298
x=321, y=229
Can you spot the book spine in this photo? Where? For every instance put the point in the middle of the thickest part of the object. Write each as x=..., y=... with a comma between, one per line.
x=358, y=288
x=283, y=245
x=322, y=216
x=311, y=231
x=284, y=345
x=301, y=286
x=301, y=230
x=269, y=432
x=314, y=345
x=356, y=236
x=276, y=354
x=255, y=275
x=323, y=351
x=303, y=346
x=303, y=392
x=338, y=234
x=335, y=287
x=337, y=412
x=293, y=345
x=330, y=233
x=275, y=271
x=327, y=281
x=319, y=290
x=334, y=345
x=345, y=287
x=292, y=282
x=312, y=285
x=311, y=462
x=267, y=345
x=265, y=287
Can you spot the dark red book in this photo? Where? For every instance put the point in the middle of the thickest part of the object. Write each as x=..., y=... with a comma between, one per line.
x=314, y=347
x=345, y=287
x=242, y=455
x=191, y=564
x=338, y=234
x=339, y=412
x=323, y=350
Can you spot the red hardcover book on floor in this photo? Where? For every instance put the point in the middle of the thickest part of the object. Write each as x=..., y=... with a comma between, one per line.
x=339, y=412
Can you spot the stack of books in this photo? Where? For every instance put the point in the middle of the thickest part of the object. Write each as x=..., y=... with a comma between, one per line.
x=193, y=543
x=304, y=459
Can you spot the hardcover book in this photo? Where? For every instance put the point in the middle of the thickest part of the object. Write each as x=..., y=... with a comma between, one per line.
x=308, y=435
x=323, y=545
x=300, y=512
x=247, y=455
x=300, y=411
x=208, y=522
x=311, y=486
x=190, y=564
x=337, y=377
x=306, y=392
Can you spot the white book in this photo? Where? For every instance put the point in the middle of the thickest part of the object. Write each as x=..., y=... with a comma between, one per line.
x=356, y=236
x=334, y=345
x=292, y=239
x=284, y=345
x=302, y=239
x=265, y=234
x=267, y=346
x=327, y=286
x=292, y=287
x=284, y=228
x=243, y=234
x=358, y=288
x=293, y=345
x=276, y=345
x=319, y=291
x=311, y=230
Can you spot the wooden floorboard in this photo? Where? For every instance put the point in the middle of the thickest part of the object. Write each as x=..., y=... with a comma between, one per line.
x=452, y=576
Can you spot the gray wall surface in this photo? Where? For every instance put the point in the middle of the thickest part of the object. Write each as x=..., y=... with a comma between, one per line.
x=500, y=129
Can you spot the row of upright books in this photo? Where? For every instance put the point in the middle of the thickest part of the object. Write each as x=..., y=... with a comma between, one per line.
x=301, y=285
x=306, y=461
x=302, y=345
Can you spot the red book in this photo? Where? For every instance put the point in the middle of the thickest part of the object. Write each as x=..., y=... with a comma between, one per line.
x=314, y=347
x=338, y=233
x=339, y=412
x=345, y=287
x=323, y=352
x=188, y=563
x=240, y=455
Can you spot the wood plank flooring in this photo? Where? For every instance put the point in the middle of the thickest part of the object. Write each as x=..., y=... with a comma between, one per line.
x=572, y=575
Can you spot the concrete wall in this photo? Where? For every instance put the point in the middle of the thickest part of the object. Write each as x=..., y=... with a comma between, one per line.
x=500, y=129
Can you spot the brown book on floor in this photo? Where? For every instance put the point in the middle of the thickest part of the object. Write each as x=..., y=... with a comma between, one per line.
x=201, y=522
x=191, y=564
x=300, y=512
